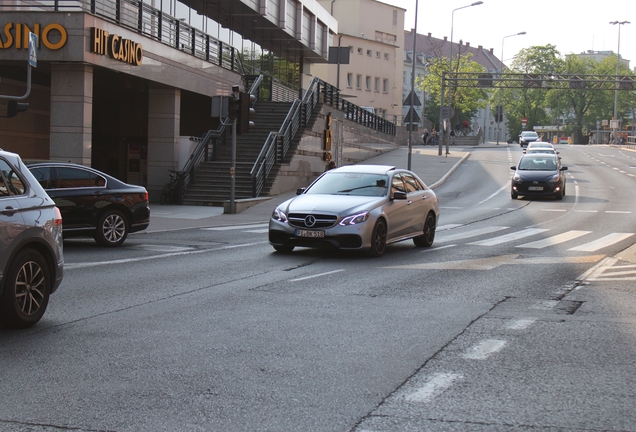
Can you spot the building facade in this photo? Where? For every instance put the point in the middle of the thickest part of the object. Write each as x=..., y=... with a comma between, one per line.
x=122, y=86
x=373, y=33
x=429, y=47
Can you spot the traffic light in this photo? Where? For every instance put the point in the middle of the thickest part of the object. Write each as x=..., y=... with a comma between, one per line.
x=499, y=114
x=234, y=108
x=14, y=107
x=245, y=111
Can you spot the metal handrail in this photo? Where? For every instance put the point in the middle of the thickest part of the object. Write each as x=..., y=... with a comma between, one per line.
x=208, y=148
x=278, y=143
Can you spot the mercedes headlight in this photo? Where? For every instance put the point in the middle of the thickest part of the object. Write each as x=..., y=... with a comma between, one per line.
x=279, y=215
x=355, y=219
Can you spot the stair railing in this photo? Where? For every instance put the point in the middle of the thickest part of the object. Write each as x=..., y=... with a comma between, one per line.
x=277, y=143
x=208, y=148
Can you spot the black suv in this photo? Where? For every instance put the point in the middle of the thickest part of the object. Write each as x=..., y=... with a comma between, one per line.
x=31, y=254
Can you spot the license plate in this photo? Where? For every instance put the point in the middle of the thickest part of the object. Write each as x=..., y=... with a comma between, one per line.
x=306, y=233
x=535, y=188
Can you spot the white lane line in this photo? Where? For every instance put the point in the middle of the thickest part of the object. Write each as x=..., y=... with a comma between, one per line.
x=521, y=324
x=433, y=387
x=484, y=349
x=618, y=212
x=447, y=227
x=504, y=187
x=468, y=234
x=510, y=237
x=257, y=231
x=236, y=227
x=554, y=210
x=316, y=275
x=585, y=211
x=554, y=240
x=167, y=255
x=608, y=240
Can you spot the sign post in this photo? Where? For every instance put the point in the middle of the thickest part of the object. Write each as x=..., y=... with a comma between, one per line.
x=524, y=122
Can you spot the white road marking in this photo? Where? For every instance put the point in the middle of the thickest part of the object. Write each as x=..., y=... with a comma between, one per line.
x=551, y=241
x=473, y=233
x=554, y=210
x=166, y=255
x=316, y=275
x=236, y=227
x=484, y=349
x=258, y=231
x=504, y=187
x=510, y=237
x=162, y=248
x=433, y=387
x=606, y=241
x=521, y=324
x=447, y=227
x=586, y=211
x=617, y=212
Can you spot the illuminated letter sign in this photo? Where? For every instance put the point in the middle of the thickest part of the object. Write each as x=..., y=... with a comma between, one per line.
x=18, y=35
x=116, y=47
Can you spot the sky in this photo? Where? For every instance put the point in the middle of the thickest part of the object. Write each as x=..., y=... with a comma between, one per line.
x=573, y=26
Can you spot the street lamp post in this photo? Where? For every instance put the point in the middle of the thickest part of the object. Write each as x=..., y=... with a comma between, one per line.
x=618, y=58
x=450, y=68
x=410, y=113
x=500, y=116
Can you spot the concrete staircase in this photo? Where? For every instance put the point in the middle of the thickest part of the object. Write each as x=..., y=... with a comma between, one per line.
x=211, y=184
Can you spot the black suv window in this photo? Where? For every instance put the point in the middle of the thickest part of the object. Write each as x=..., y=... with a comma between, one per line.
x=10, y=183
x=77, y=178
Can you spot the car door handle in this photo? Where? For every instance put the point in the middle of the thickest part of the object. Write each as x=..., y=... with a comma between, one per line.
x=9, y=211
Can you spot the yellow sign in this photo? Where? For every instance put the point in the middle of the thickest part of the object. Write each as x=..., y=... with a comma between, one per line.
x=52, y=36
x=116, y=47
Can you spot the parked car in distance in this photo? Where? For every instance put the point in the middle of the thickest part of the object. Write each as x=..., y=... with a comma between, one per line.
x=538, y=174
x=357, y=207
x=527, y=137
x=94, y=204
x=31, y=249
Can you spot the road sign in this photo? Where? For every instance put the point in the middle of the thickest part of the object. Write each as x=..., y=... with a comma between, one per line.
x=447, y=112
x=33, y=49
x=524, y=121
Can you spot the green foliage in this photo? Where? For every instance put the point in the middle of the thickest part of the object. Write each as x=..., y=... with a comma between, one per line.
x=465, y=101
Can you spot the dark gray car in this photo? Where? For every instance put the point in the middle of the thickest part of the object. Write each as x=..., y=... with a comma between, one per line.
x=31, y=254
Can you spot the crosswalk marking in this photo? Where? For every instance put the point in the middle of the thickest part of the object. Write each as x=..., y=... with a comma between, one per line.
x=551, y=241
x=510, y=237
x=473, y=233
x=608, y=240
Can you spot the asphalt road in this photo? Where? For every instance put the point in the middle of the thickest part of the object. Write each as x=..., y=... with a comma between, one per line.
x=521, y=317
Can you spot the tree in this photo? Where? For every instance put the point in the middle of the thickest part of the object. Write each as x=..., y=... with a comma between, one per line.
x=464, y=100
x=530, y=102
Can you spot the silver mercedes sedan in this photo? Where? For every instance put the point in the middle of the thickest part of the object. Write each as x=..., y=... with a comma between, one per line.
x=357, y=207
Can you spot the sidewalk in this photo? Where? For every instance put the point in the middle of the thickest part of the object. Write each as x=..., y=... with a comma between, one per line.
x=425, y=162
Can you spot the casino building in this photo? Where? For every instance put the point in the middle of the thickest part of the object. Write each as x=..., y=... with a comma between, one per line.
x=122, y=85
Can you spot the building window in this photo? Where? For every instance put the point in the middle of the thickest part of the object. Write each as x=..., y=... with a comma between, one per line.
x=359, y=82
x=368, y=83
x=349, y=80
x=351, y=49
x=369, y=53
x=377, y=85
x=385, y=86
x=377, y=54
x=360, y=51
x=386, y=56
